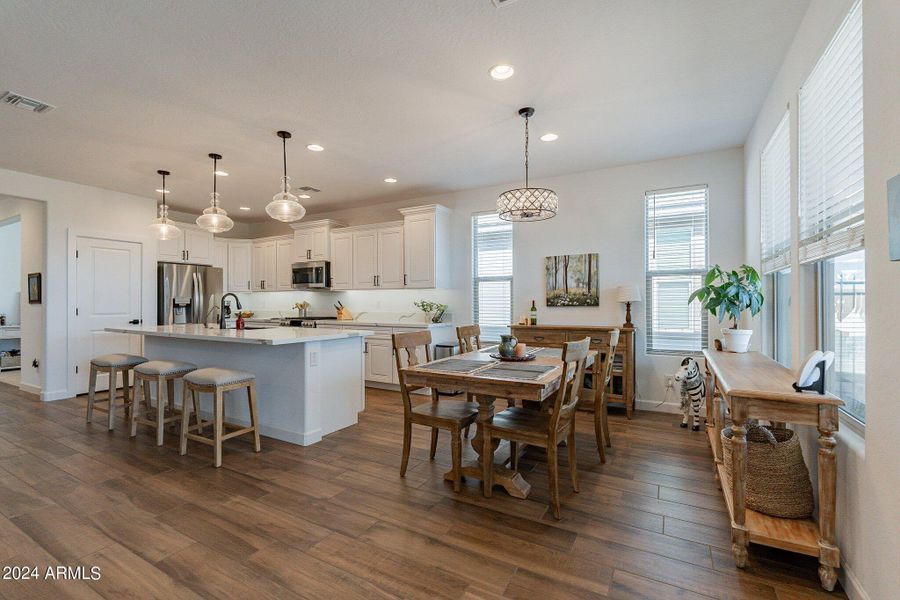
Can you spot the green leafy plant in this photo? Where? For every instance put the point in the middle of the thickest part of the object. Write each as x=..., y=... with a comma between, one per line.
x=729, y=293
x=429, y=307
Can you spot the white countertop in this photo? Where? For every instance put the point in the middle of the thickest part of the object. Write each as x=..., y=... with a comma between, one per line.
x=379, y=323
x=275, y=336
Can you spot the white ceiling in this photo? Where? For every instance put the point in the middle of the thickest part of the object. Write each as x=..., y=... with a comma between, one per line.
x=389, y=87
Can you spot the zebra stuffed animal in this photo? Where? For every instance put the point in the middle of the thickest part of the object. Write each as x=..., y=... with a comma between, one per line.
x=693, y=391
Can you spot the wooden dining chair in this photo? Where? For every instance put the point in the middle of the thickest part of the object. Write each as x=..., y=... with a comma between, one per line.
x=469, y=338
x=601, y=424
x=543, y=429
x=452, y=415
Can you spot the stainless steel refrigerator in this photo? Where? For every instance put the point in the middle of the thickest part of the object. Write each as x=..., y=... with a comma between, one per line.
x=187, y=293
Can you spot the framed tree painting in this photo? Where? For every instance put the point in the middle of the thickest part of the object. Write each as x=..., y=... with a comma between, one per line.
x=572, y=280
x=34, y=288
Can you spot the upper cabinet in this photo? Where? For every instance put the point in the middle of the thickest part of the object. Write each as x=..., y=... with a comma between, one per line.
x=239, y=266
x=341, y=260
x=263, y=266
x=312, y=240
x=194, y=246
x=390, y=257
x=220, y=254
x=426, y=242
x=377, y=259
x=284, y=259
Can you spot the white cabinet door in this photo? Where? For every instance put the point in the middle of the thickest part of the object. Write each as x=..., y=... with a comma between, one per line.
x=264, y=266
x=199, y=246
x=303, y=245
x=380, y=361
x=365, y=259
x=220, y=254
x=239, y=267
x=418, y=241
x=171, y=250
x=284, y=258
x=342, y=261
x=390, y=257
x=319, y=246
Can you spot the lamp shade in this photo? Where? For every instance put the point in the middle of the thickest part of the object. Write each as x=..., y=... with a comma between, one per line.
x=628, y=293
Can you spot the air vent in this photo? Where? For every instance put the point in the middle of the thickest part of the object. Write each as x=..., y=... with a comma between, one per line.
x=501, y=3
x=307, y=188
x=25, y=102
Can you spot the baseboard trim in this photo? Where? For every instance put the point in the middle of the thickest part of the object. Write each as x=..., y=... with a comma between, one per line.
x=52, y=396
x=851, y=584
x=656, y=406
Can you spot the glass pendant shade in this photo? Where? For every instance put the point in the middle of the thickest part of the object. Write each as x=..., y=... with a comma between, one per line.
x=285, y=206
x=215, y=219
x=163, y=228
x=527, y=203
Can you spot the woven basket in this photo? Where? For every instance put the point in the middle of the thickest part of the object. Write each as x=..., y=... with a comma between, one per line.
x=776, y=480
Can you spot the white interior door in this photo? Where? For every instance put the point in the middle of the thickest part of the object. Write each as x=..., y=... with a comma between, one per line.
x=108, y=284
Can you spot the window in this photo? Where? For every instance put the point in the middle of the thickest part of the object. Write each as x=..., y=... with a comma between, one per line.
x=842, y=285
x=676, y=261
x=781, y=301
x=775, y=198
x=831, y=147
x=492, y=272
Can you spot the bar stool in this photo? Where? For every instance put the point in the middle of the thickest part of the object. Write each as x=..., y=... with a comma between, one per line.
x=112, y=364
x=217, y=381
x=164, y=373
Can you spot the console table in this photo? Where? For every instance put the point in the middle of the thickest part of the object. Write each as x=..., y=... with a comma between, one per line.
x=754, y=386
x=621, y=383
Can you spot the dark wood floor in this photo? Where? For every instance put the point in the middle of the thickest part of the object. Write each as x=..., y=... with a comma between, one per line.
x=335, y=520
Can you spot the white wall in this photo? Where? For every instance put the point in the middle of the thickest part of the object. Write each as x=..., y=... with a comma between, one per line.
x=31, y=260
x=11, y=271
x=868, y=467
x=600, y=211
x=71, y=209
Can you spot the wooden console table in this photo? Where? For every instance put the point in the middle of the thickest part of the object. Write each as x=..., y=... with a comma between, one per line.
x=621, y=383
x=754, y=386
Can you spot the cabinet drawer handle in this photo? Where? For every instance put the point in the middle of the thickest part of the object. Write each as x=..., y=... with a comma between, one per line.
x=538, y=337
x=404, y=279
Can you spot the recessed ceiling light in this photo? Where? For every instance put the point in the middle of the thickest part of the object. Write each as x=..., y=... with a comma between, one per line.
x=304, y=196
x=161, y=191
x=501, y=72
x=222, y=173
x=315, y=147
x=549, y=137
x=243, y=207
x=390, y=180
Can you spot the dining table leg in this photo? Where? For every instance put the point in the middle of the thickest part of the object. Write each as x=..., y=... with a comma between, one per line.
x=514, y=484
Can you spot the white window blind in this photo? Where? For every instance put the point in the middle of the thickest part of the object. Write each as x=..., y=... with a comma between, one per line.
x=492, y=273
x=676, y=261
x=831, y=147
x=775, y=196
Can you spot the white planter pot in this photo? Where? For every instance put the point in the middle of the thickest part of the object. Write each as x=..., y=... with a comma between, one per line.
x=736, y=340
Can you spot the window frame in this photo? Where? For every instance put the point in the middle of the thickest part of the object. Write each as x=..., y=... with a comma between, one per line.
x=653, y=274
x=487, y=334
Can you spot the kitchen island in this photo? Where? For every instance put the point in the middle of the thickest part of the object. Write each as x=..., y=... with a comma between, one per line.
x=310, y=382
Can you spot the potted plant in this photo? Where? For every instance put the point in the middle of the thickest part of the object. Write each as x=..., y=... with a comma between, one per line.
x=433, y=310
x=728, y=294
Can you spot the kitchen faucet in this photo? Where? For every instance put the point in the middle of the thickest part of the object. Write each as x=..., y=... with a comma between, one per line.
x=222, y=312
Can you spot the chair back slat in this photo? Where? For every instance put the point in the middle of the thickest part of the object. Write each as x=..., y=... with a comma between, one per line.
x=469, y=337
x=410, y=343
x=610, y=357
x=574, y=357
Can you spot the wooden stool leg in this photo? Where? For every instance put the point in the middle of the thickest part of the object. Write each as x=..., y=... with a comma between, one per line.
x=195, y=400
x=92, y=392
x=573, y=457
x=218, y=426
x=111, y=415
x=456, y=451
x=605, y=415
x=553, y=471
x=126, y=393
x=254, y=416
x=170, y=388
x=407, y=443
x=161, y=388
x=138, y=393
x=434, y=440
x=598, y=432
x=185, y=419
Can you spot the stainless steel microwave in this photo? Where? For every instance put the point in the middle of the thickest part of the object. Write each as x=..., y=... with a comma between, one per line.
x=314, y=275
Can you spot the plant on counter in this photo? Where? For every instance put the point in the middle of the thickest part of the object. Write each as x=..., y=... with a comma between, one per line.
x=434, y=310
x=728, y=294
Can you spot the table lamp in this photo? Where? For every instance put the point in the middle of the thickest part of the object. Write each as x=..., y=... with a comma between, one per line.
x=628, y=294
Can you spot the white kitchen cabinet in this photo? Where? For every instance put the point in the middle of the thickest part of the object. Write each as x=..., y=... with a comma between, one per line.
x=312, y=240
x=194, y=246
x=263, y=266
x=426, y=240
x=220, y=255
x=341, y=260
x=365, y=259
x=240, y=272
x=380, y=360
x=284, y=259
x=390, y=258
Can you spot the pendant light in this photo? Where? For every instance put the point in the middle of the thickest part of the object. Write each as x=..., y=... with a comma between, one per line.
x=285, y=206
x=527, y=203
x=215, y=219
x=163, y=228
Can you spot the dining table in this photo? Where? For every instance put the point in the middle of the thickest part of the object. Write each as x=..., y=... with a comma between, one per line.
x=484, y=378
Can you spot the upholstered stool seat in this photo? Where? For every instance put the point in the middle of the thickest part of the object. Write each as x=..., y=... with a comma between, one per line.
x=217, y=381
x=112, y=364
x=163, y=373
